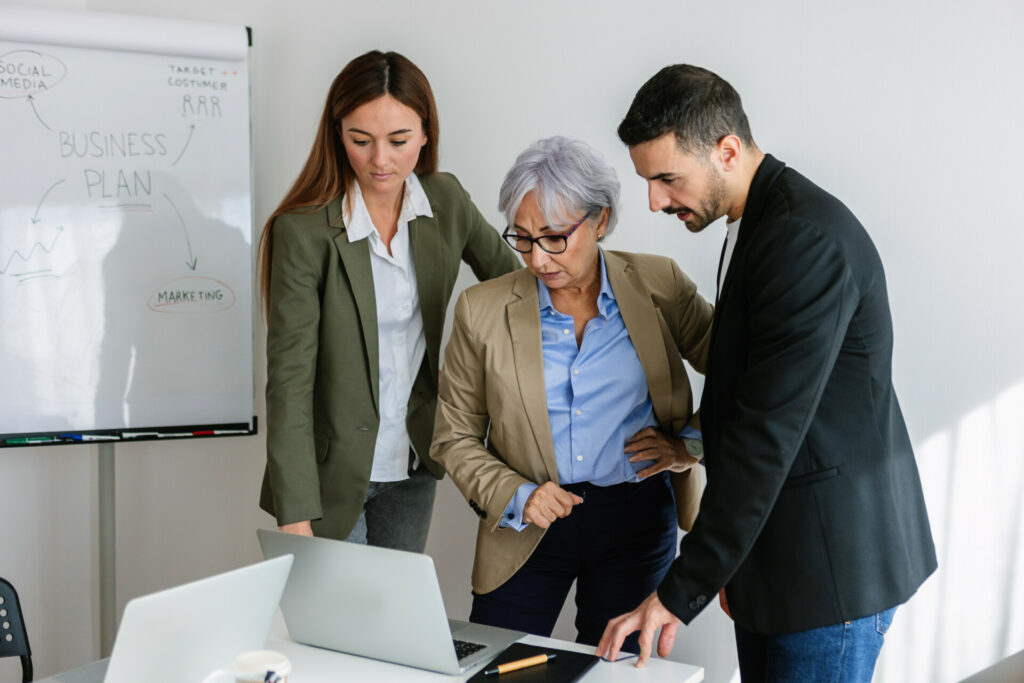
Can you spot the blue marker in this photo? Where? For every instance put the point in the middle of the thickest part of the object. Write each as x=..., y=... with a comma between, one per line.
x=90, y=437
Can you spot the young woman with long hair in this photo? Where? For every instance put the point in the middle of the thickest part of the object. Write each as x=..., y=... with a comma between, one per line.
x=357, y=266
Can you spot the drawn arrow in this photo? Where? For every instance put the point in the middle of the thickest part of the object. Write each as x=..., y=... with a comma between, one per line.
x=192, y=260
x=35, y=216
x=191, y=129
x=37, y=245
x=32, y=101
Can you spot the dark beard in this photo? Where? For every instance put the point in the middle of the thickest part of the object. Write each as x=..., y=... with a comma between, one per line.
x=710, y=207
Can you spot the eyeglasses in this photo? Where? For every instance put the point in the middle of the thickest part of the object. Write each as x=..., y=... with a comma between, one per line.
x=553, y=244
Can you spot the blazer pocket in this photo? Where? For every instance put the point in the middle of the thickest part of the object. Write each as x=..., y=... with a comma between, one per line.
x=810, y=478
x=321, y=444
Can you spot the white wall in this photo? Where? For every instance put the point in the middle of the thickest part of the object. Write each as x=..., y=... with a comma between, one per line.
x=907, y=110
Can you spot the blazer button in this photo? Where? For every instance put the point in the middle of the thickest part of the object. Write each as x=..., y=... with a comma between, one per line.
x=702, y=600
x=693, y=605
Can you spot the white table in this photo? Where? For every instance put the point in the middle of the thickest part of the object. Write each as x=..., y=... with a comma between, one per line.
x=315, y=665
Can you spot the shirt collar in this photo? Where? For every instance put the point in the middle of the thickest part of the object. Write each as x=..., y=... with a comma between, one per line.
x=414, y=203
x=605, y=297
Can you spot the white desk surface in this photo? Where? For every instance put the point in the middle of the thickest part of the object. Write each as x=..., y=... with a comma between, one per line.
x=316, y=665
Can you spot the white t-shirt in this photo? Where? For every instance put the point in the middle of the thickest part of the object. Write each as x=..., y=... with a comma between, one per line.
x=733, y=228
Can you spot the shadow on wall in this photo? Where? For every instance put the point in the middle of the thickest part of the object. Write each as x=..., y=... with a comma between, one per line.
x=970, y=614
x=175, y=312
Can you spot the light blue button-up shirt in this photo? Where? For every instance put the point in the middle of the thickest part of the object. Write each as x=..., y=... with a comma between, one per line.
x=597, y=397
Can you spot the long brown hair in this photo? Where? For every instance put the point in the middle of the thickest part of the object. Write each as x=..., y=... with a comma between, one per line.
x=327, y=172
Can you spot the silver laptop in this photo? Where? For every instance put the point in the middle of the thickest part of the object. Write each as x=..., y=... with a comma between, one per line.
x=378, y=603
x=185, y=633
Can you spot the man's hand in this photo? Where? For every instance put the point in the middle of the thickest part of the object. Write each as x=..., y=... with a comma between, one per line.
x=646, y=618
x=300, y=528
x=668, y=453
x=547, y=503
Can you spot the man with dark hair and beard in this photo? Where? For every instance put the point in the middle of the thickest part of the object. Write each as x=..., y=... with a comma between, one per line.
x=812, y=528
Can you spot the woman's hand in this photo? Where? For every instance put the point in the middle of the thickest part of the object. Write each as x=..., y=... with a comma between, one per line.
x=300, y=528
x=547, y=503
x=668, y=453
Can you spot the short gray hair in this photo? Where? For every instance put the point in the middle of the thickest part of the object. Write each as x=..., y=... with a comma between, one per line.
x=568, y=176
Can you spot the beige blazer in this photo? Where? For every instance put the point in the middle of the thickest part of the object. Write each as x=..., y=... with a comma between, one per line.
x=492, y=433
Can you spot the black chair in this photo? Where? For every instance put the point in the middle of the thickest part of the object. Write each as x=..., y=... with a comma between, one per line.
x=13, y=638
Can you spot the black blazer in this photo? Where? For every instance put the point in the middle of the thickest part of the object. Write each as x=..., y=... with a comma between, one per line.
x=813, y=512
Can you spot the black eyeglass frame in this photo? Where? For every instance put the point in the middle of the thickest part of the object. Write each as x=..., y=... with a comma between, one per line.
x=511, y=237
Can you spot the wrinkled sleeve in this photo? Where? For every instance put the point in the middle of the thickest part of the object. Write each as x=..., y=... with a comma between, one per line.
x=292, y=335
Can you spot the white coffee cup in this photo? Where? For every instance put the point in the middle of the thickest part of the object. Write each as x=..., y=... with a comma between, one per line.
x=257, y=666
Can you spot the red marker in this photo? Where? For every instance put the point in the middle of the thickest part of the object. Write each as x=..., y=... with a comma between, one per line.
x=220, y=432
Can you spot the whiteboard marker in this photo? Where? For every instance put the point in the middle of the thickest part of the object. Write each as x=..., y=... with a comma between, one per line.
x=25, y=440
x=90, y=437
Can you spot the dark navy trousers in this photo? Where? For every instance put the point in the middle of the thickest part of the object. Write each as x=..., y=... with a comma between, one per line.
x=617, y=545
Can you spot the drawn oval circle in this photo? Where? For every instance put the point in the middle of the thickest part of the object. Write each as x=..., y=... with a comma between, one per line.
x=29, y=72
x=192, y=294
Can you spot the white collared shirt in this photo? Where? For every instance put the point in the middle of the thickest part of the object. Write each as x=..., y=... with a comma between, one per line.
x=733, y=234
x=401, y=342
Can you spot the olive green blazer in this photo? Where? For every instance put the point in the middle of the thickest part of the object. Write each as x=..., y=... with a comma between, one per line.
x=322, y=349
x=493, y=433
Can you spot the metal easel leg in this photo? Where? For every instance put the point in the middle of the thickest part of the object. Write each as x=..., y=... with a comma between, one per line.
x=108, y=554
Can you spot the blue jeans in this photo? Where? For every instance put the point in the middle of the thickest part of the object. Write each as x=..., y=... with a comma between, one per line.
x=842, y=653
x=396, y=514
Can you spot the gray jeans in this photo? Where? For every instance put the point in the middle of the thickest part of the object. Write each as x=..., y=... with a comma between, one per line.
x=396, y=514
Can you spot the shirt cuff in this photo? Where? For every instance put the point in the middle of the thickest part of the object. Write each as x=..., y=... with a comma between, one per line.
x=690, y=433
x=513, y=516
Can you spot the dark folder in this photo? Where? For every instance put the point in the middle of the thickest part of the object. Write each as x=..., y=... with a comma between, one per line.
x=566, y=667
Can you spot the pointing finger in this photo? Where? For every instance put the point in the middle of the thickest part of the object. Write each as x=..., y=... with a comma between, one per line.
x=646, y=638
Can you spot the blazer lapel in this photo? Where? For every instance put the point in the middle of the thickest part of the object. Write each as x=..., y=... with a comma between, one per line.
x=523, y=314
x=641, y=318
x=764, y=178
x=355, y=256
x=424, y=238
x=762, y=182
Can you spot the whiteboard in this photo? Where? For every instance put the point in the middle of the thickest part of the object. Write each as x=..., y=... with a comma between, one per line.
x=125, y=224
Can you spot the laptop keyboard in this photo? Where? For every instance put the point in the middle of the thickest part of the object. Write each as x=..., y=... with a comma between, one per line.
x=464, y=648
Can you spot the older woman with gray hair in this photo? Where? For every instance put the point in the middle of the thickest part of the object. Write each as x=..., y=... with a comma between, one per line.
x=564, y=414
